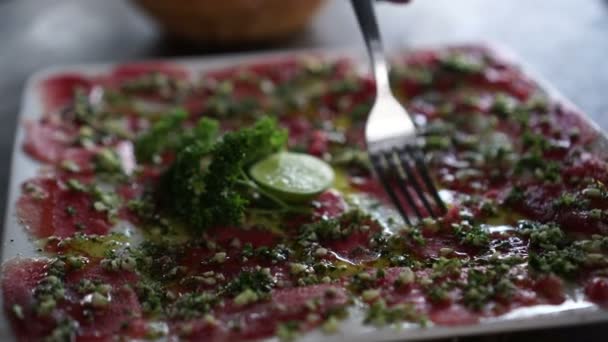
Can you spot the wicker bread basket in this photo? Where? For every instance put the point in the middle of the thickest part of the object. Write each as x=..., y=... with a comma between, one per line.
x=229, y=22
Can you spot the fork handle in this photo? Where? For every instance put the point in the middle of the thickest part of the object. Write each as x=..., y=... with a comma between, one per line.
x=364, y=11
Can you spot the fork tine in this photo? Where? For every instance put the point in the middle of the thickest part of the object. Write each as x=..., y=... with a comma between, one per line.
x=383, y=175
x=424, y=173
x=404, y=158
x=394, y=160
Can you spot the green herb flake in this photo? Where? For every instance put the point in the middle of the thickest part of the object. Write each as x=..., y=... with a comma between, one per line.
x=107, y=160
x=460, y=63
x=18, y=311
x=288, y=331
x=380, y=314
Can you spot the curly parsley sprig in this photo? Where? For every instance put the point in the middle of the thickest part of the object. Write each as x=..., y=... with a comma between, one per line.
x=208, y=185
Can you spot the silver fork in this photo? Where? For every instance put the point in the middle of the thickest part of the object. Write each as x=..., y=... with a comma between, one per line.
x=391, y=138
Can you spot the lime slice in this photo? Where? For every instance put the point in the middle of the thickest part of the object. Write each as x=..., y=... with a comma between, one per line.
x=294, y=177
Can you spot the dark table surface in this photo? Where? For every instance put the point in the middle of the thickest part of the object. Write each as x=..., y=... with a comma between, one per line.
x=566, y=41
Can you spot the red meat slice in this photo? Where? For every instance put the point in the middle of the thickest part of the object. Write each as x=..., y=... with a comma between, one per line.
x=115, y=318
x=279, y=70
x=550, y=288
x=129, y=71
x=587, y=165
x=21, y=276
x=329, y=204
x=54, y=143
x=318, y=144
x=48, y=141
x=597, y=290
x=298, y=127
x=453, y=315
x=58, y=91
x=539, y=204
x=369, y=185
x=569, y=119
x=261, y=319
x=44, y=208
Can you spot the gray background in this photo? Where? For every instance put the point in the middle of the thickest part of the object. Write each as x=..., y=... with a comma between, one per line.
x=566, y=41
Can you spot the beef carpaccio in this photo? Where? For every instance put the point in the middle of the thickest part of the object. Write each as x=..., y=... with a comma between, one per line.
x=150, y=226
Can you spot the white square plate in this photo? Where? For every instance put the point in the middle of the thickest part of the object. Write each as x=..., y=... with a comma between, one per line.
x=17, y=243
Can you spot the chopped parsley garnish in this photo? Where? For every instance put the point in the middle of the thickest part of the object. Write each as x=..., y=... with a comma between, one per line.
x=193, y=305
x=107, y=160
x=540, y=167
x=335, y=228
x=472, y=235
x=460, y=63
x=380, y=314
x=482, y=285
x=260, y=282
x=565, y=262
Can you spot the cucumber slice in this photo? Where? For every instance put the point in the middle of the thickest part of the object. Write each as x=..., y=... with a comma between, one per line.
x=294, y=177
